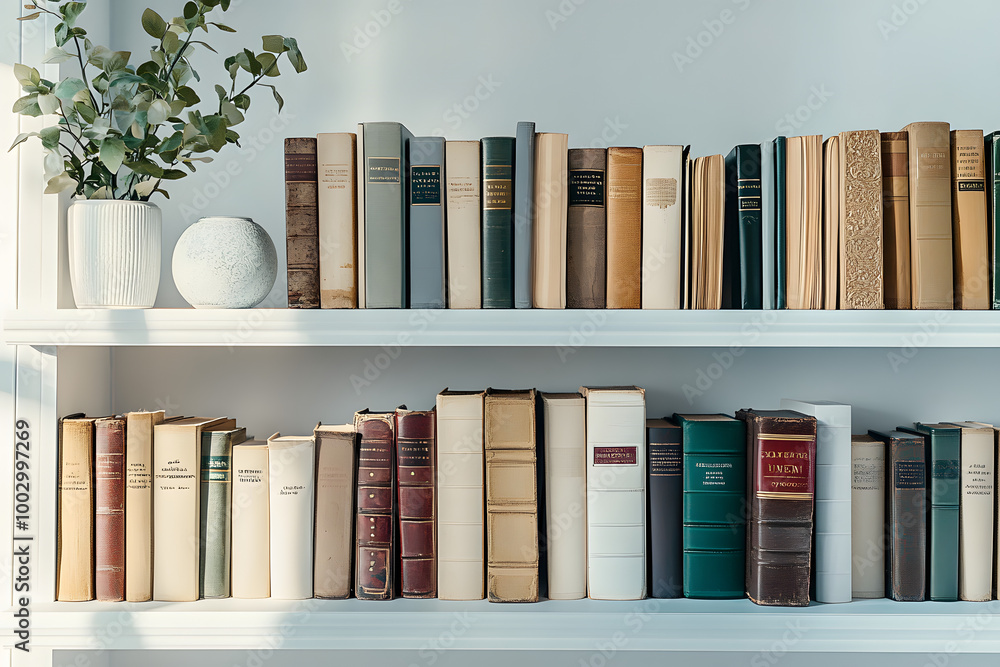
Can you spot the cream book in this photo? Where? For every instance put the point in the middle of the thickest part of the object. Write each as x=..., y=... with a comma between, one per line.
x=551, y=206
x=336, y=462
x=139, y=504
x=971, y=252
x=359, y=182
x=464, y=215
x=338, y=219
x=708, y=219
x=867, y=517
x=976, y=512
x=661, y=226
x=831, y=221
x=75, y=524
x=803, y=212
x=291, y=483
x=251, y=564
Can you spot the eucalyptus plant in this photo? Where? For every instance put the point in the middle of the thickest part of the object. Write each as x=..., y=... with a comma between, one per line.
x=123, y=130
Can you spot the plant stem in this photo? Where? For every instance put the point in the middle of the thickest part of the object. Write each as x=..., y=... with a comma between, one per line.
x=258, y=79
x=83, y=74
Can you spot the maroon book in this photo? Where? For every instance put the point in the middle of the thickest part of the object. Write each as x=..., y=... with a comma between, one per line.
x=109, y=520
x=376, y=519
x=415, y=440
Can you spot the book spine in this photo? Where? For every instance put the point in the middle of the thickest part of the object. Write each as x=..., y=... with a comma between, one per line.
x=743, y=283
x=832, y=559
x=868, y=518
x=251, y=562
x=75, y=542
x=375, y=578
x=861, y=221
x=139, y=505
x=977, y=517
x=109, y=519
x=549, y=248
x=498, y=222
x=832, y=214
x=334, y=524
x=664, y=504
x=302, y=222
x=415, y=457
x=565, y=443
x=661, y=227
x=768, y=228
x=586, y=229
x=781, y=212
x=463, y=166
x=386, y=268
x=896, y=220
x=943, y=519
x=906, y=525
x=216, y=535
x=524, y=211
x=971, y=254
x=803, y=261
x=992, y=151
x=427, y=232
x=359, y=184
x=931, y=262
x=337, y=205
x=624, y=227
x=291, y=478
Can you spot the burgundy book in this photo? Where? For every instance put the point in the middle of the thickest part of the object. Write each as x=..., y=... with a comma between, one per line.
x=415, y=456
x=302, y=222
x=376, y=520
x=109, y=519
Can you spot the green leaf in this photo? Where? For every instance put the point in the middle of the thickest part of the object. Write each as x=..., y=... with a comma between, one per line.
x=233, y=115
x=221, y=26
x=176, y=107
x=274, y=43
x=116, y=60
x=25, y=102
x=188, y=95
x=205, y=44
x=148, y=67
x=145, y=167
x=153, y=24
x=48, y=103
x=173, y=174
x=53, y=163
x=295, y=56
x=242, y=101
x=277, y=97
x=68, y=87
x=171, y=43
x=50, y=137
x=56, y=55
x=26, y=76
x=59, y=184
x=113, y=154
x=21, y=138
x=158, y=112
x=145, y=188
x=268, y=64
x=62, y=34
x=71, y=10
x=190, y=10
x=87, y=112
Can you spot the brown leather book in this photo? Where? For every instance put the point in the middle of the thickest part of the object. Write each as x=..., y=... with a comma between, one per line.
x=781, y=467
x=511, y=496
x=804, y=245
x=586, y=231
x=109, y=514
x=376, y=519
x=968, y=200
x=415, y=470
x=75, y=523
x=860, y=253
x=336, y=463
x=896, y=220
x=302, y=222
x=624, y=210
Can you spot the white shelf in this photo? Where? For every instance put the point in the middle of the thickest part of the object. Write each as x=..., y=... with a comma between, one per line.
x=505, y=328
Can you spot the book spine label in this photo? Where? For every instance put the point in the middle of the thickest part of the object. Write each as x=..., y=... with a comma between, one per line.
x=498, y=223
x=110, y=510
x=216, y=538
x=302, y=222
x=785, y=468
x=334, y=526
x=586, y=229
x=376, y=570
x=415, y=457
x=665, y=489
x=524, y=212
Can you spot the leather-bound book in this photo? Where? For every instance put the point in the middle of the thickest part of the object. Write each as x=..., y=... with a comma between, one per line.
x=511, y=496
x=976, y=530
x=498, y=222
x=427, y=232
x=415, y=472
x=768, y=223
x=803, y=199
x=464, y=215
x=216, y=510
x=931, y=262
x=742, y=282
x=524, y=212
x=338, y=219
x=376, y=531
x=662, y=184
x=109, y=510
x=586, y=229
x=896, y=220
x=75, y=525
x=905, y=515
x=302, y=222
x=551, y=197
x=971, y=250
x=867, y=517
x=991, y=151
x=336, y=465
x=832, y=221
x=861, y=221
x=291, y=486
x=707, y=236
x=781, y=222
x=781, y=470
x=251, y=534
x=664, y=500
x=139, y=504
x=624, y=177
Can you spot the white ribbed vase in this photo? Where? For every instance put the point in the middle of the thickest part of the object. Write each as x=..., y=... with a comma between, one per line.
x=114, y=253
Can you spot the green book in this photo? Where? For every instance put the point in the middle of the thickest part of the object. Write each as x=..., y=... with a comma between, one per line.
x=743, y=277
x=498, y=222
x=780, y=214
x=714, y=506
x=216, y=509
x=992, y=199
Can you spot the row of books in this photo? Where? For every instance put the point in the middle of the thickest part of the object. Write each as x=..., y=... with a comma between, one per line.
x=863, y=220
x=517, y=496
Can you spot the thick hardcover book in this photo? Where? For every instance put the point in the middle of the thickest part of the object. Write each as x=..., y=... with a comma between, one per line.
x=781, y=220
x=462, y=169
x=832, y=221
x=415, y=472
x=251, y=561
x=662, y=185
x=109, y=509
x=943, y=446
x=896, y=220
x=861, y=221
x=905, y=515
x=803, y=238
x=75, y=525
x=976, y=530
x=377, y=557
x=624, y=190
x=302, y=222
x=291, y=486
x=427, y=232
x=992, y=153
x=832, y=544
x=768, y=223
x=971, y=250
x=338, y=219
x=931, y=265
x=781, y=471
x=460, y=545
x=714, y=506
x=742, y=282
x=616, y=493
x=498, y=222
x=385, y=229
x=549, y=249
x=867, y=517
x=565, y=436
x=524, y=211
x=586, y=229
x=707, y=232
x=663, y=507
x=336, y=465
x=216, y=510
x=139, y=504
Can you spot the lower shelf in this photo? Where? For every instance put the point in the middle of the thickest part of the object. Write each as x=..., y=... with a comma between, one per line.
x=581, y=625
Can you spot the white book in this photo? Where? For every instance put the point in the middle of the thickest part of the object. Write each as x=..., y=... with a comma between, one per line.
x=661, y=226
x=291, y=488
x=551, y=208
x=565, y=443
x=976, y=512
x=464, y=215
x=460, y=463
x=251, y=562
x=338, y=219
x=139, y=504
x=867, y=517
x=616, y=493
x=832, y=497
x=768, y=223
x=359, y=183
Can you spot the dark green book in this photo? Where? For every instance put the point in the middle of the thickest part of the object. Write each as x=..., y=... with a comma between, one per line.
x=780, y=215
x=714, y=506
x=992, y=201
x=743, y=275
x=216, y=510
x=498, y=222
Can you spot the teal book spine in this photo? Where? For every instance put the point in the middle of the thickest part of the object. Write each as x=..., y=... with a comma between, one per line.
x=780, y=215
x=524, y=211
x=498, y=222
x=427, y=233
x=216, y=506
x=993, y=199
x=743, y=277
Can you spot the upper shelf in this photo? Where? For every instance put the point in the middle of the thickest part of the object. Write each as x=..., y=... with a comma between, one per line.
x=906, y=330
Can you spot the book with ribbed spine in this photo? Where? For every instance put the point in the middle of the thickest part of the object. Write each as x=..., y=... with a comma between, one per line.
x=896, y=220
x=971, y=250
x=415, y=474
x=250, y=570
x=463, y=168
x=549, y=244
x=109, y=509
x=302, y=222
x=336, y=466
x=75, y=524
x=498, y=222
x=624, y=227
x=337, y=206
x=376, y=533
x=977, y=511
x=586, y=229
x=742, y=282
x=867, y=517
x=664, y=508
x=216, y=510
x=524, y=212
x=139, y=504
x=291, y=487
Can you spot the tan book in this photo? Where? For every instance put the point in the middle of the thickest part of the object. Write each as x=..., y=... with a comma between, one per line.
x=336, y=461
x=511, y=496
x=867, y=517
x=803, y=204
x=624, y=176
x=977, y=530
x=968, y=199
x=931, y=272
x=831, y=221
x=139, y=504
x=708, y=220
x=896, y=221
x=251, y=564
x=551, y=201
x=359, y=180
x=75, y=524
x=464, y=211
x=861, y=221
x=662, y=183
x=338, y=219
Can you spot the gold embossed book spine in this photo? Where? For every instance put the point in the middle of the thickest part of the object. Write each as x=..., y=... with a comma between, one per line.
x=861, y=258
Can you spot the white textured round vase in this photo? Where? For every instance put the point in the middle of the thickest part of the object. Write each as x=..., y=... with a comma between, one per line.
x=223, y=262
x=114, y=253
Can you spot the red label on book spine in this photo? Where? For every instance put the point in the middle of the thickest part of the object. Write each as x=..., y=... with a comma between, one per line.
x=785, y=467
x=606, y=456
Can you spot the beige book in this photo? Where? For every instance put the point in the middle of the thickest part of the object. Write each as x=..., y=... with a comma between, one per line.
x=708, y=220
x=661, y=226
x=896, y=221
x=861, y=223
x=336, y=459
x=867, y=517
x=968, y=199
x=831, y=221
x=75, y=524
x=624, y=227
x=177, y=506
x=551, y=201
x=359, y=165
x=291, y=488
x=976, y=512
x=251, y=563
x=139, y=504
x=460, y=465
x=464, y=213
x=803, y=204
x=511, y=496
x=338, y=219
x=931, y=268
